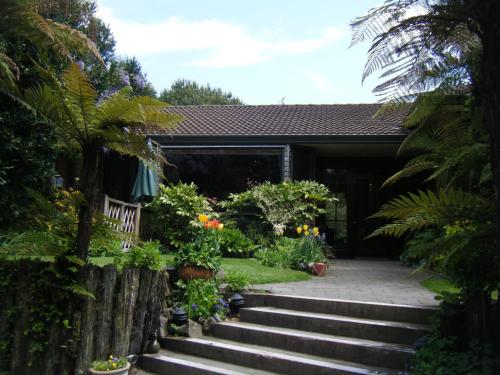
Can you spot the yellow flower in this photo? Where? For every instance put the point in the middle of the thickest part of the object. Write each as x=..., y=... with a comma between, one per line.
x=299, y=230
x=203, y=218
x=306, y=227
x=114, y=365
x=316, y=231
x=306, y=233
x=111, y=356
x=220, y=226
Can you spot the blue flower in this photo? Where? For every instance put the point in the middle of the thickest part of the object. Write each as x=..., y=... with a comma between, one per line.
x=194, y=306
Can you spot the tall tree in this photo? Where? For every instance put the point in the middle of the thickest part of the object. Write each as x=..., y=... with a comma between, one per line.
x=86, y=124
x=186, y=92
x=413, y=39
x=22, y=25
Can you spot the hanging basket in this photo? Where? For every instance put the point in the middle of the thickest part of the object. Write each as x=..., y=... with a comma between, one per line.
x=194, y=272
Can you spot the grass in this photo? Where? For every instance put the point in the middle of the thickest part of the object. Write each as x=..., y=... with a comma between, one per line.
x=251, y=268
x=439, y=285
x=259, y=274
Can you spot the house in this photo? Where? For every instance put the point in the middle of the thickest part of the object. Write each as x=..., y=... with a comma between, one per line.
x=224, y=148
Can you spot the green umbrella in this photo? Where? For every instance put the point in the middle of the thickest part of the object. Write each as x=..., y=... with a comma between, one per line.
x=146, y=182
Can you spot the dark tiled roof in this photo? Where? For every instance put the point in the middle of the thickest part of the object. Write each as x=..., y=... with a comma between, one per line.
x=283, y=120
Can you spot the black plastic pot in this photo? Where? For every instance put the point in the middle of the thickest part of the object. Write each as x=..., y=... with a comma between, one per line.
x=236, y=301
x=172, y=274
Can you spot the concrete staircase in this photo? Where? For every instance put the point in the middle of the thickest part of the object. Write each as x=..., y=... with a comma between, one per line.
x=280, y=334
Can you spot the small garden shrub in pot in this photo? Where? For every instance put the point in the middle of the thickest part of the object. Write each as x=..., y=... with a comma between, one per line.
x=114, y=365
x=204, y=249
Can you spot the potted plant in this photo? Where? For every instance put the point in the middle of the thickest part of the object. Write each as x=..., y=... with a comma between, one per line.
x=201, y=258
x=310, y=251
x=112, y=366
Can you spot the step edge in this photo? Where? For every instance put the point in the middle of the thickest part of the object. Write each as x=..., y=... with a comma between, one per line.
x=326, y=338
x=293, y=356
x=337, y=317
x=367, y=303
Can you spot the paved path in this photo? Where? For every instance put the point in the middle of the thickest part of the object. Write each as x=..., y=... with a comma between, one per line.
x=362, y=280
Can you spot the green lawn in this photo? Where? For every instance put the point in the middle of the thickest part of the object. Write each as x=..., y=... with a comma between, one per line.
x=438, y=285
x=256, y=272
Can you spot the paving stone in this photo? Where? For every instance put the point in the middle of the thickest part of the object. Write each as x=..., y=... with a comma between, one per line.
x=363, y=280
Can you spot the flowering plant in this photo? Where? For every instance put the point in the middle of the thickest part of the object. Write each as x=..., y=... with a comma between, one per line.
x=204, y=250
x=113, y=363
x=304, y=230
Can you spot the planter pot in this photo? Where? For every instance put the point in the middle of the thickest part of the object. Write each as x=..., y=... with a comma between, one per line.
x=319, y=269
x=120, y=371
x=194, y=272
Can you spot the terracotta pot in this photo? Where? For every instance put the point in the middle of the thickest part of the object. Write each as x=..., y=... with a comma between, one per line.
x=119, y=371
x=319, y=269
x=195, y=272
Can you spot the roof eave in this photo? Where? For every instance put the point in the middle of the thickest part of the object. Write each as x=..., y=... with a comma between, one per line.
x=276, y=139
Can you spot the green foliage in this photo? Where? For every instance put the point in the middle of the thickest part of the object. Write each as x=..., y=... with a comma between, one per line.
x=145, y=255
x=201, y=299
x=21, y=22
x=202, y=251
x=173, y=211
x=442, y=356
x=105, y=247
x=26, y=160
x=236, y=281
x=308, y=249
x=295, y=253
x=234, y=243
x=282, y=206
x=113, y=363
x=279, y=255
x=185, y=92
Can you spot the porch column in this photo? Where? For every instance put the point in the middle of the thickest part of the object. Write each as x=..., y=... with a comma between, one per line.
x=287, y=169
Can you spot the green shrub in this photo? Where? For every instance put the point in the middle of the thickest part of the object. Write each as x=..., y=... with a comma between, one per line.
x=201, y=299
x=293, y=253
x=234, y=243
x=278, y=255
x=202, y=251
x=308, y=249
x=281, y=206
x=144, y=255
x=236, y=281
x=441, y=356
x=105, y=247
x=173, y=212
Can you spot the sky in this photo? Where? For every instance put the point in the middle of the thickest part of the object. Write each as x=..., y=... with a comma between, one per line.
x=263, y=51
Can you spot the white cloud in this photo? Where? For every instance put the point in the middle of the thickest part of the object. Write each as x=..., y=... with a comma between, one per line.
x=219, y=43
x=320, y=82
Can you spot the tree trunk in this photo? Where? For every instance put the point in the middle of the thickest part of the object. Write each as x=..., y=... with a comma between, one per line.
x=89, y=186
x=488, y=92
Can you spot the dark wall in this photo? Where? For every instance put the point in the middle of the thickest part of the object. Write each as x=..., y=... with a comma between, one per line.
x=218, y=175
x=358, y=182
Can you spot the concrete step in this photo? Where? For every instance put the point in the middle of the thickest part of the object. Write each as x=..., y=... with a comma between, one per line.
x=268, y=359
x=339, y=325
x=357, y=309
x=168, y=362
x=366, y=352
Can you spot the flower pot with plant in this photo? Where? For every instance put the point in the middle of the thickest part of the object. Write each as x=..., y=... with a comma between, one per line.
x=310, y=251
x=112, y=366
x=201, y=258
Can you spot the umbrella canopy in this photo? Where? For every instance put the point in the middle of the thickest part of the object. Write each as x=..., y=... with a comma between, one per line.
x=146, y=182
